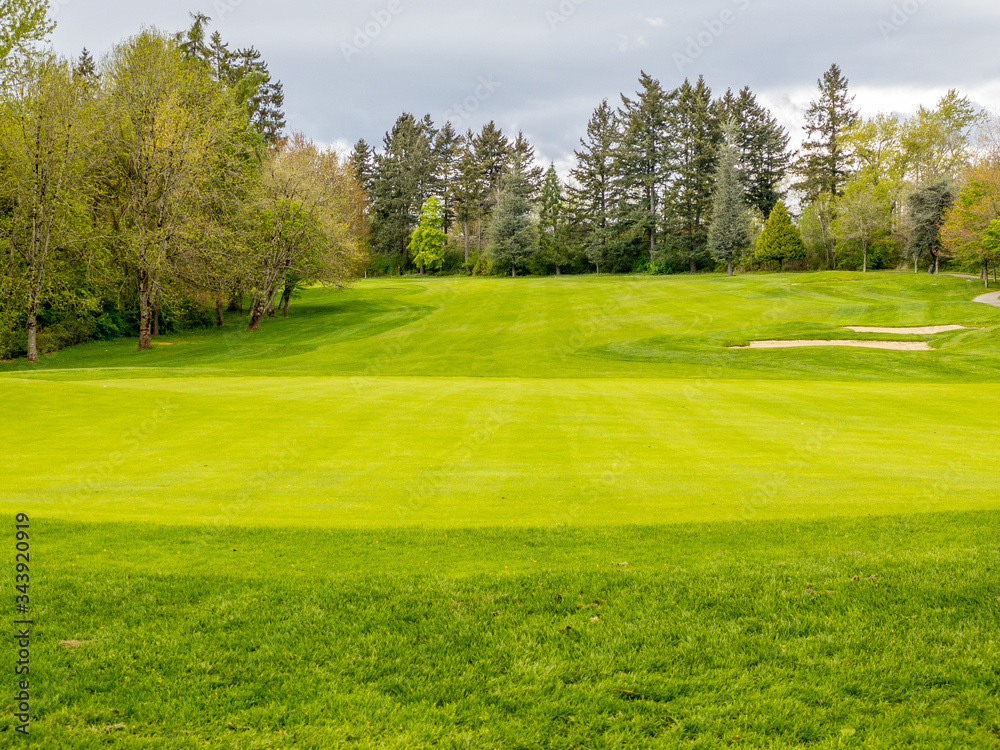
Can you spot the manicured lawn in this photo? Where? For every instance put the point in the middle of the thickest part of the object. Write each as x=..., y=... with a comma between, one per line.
x=391, y=520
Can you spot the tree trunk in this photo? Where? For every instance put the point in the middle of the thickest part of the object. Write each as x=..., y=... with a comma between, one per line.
x=257, y=311
x=513, y=272
x=864, y=255
x=156, y=320
x=558, y=271
x=466, y=244
x=781, y=265
x=32, y=331
x=694, y=266
x=937, y=265
x=220, y=315
x=915, y=261
x=286, y=300
x=729, y=269
x=145, y=310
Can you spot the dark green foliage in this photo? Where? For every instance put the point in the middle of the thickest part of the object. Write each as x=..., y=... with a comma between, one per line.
x=697, y=134
x=824, y=164
x=243, y=70
x=513, y=233
x=762, y=145
x=729, y=232
x=405, y=176
x=644, y=158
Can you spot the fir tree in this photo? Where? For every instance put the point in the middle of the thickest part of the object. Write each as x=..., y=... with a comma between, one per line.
x=762, y=146
x=644, y=157
x=468, y=188
x=824, y=164
x=551, y=241
x=596, y=175
x=697, y=134
x=729, y=232
x=513, y=234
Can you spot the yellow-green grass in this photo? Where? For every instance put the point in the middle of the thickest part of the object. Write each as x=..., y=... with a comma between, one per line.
x=398, y=520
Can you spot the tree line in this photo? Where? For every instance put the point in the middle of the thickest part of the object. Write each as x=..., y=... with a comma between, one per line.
x=139, y=193
x=683, y=180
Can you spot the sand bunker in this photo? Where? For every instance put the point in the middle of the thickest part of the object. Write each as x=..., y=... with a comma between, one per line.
x=899, y=346
x=993, y=298
x=925, y=331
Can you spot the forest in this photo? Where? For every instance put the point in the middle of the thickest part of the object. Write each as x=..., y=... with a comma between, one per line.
x=158, y=190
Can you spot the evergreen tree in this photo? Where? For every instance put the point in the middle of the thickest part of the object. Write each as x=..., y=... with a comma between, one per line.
x=697, y=134
x=493, y=152
x=268, y=98
x=762, y=147
x=362, y=163
x=85, y=68
x=192, y=42
x=729, y=232
x=404, y=174
x=597, y=176
x=428, y=239
x=513, y=233
x=468, y=188
x=644, y=158
x=780, y=239
x=552, y=240
x=824, y=163
x=522, y=157
x=448, y=155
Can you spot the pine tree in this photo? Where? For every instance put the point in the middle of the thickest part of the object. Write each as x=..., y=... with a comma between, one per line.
x=824, y=164
x=404, y=176
x=762, y=146
x=697, y=134
x=551, y=242
x=522, y=157
x=448, y=154
x=85, y=68
x=468, y=189
x=597, y=176
x=780, y=239
x=729, y=232
x=268, y=99
x=493, y=151
x=644, y=157
x=513, y=234
x=362, y=163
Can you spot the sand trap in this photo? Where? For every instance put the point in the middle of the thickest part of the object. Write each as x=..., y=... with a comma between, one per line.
x=925, y=331
x=899, y=346
x=993, y=298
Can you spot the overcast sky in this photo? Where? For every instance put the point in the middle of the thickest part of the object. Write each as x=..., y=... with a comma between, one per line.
x=542, y=66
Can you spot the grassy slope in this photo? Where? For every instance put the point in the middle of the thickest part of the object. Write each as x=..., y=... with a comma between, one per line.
x=492, y=402
x=463, y=460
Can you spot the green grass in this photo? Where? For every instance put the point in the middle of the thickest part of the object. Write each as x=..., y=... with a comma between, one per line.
x=389, y=521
